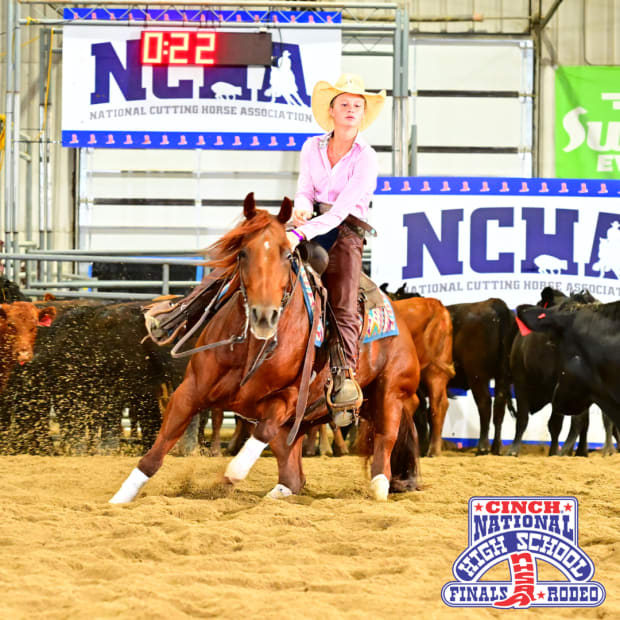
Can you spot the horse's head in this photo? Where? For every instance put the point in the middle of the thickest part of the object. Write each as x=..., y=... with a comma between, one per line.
x=263, y=255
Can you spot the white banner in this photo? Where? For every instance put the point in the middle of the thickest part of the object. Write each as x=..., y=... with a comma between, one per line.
x=465, y=246
x=110, y=99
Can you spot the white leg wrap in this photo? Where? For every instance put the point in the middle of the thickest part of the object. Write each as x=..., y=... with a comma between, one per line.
x=380, y=487
x=240, y=466
x=279, y=491
x=130, y=488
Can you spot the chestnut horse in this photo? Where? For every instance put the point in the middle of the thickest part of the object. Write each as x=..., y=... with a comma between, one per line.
x=256, y=257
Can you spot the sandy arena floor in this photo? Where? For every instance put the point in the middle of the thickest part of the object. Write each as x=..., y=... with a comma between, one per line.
x=187, y=548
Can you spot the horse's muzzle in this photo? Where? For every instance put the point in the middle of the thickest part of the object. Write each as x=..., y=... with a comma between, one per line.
x=264, y=321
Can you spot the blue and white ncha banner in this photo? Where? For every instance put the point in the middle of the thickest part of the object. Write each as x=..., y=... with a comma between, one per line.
x=110, y=100
x=468, y=239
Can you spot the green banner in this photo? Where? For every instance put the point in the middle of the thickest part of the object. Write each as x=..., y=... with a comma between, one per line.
x=587, y=122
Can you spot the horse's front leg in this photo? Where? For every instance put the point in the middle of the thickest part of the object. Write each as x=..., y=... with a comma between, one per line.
x=272, y=414
x=291, y=478
x=185, y=402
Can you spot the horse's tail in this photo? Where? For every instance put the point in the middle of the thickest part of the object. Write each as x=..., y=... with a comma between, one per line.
x=405, y=457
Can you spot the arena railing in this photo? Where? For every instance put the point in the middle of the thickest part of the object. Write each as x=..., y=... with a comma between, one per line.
x=42, y=272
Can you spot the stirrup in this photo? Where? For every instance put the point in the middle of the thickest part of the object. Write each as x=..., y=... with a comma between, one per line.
x=349, y=395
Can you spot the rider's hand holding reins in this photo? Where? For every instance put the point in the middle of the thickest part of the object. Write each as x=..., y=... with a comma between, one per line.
x=294, y=237
x=301, y=215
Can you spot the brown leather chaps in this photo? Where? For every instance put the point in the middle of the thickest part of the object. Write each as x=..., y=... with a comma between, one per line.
x=341, y=278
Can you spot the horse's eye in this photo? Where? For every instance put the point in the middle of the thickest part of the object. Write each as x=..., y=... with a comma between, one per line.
x=243, y=254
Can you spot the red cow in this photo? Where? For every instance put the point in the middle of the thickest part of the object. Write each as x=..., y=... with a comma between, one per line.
x=18, y=330
x=430, y=326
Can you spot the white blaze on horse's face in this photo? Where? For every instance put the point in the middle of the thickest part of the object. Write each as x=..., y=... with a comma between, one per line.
x=265, y=270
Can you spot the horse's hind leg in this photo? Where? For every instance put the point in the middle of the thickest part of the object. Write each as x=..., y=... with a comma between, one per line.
x=309, y=443
x=386, y=432
x=179, y=412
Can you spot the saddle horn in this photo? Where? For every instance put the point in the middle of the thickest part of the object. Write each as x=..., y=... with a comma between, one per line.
x=315, y=255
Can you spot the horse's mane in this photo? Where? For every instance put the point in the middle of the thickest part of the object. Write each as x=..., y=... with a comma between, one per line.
x=224, y=252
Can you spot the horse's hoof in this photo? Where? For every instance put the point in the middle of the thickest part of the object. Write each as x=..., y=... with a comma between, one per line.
x=279, y=491
x=380, y=487
x=403, y=486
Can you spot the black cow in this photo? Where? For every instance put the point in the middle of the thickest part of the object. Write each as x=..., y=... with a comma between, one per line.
x=589, y=349
x=142, y=271
x=10, y=292
x=482, y=336
x=535, y=365
x=90, y=366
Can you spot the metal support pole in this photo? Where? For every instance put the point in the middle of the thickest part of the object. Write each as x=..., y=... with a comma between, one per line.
x=404, y=93
x=165, y=277
x=16, y=142
x=413, y=143
x=8, y=145
x=396, y=94
x=27, y=156
x=536, y=113
x=43, y=54
x=550, y=13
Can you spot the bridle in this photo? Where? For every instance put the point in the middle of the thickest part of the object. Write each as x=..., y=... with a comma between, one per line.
x=268, y=346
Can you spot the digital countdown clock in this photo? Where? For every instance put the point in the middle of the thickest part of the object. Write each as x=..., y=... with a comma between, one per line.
x=204, y=48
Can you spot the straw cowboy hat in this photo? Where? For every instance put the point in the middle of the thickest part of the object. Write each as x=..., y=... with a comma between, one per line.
x=324, y=92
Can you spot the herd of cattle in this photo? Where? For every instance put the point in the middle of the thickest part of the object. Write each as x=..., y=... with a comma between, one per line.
x=92, y=362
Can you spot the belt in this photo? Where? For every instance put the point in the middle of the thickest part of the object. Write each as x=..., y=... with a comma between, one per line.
x=358, y=226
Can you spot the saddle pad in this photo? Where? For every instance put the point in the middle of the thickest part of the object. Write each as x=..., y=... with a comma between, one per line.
x=309, y=300
x=381, y=322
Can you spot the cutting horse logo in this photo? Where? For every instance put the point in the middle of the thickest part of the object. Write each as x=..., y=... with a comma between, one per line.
x=609, y=252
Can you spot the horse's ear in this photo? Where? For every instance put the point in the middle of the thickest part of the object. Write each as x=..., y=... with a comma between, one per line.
x=249, y=206
x=286, y=210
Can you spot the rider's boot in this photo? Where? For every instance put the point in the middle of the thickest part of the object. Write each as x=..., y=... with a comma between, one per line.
x=344, y=396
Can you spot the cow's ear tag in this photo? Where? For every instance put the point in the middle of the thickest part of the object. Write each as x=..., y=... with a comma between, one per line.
x=542, y=315
x=46, y=321
x=523, y=328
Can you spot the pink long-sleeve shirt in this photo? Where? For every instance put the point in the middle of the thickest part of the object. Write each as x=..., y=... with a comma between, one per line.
x=348, y=186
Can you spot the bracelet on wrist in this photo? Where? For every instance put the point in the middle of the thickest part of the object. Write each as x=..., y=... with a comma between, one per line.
x=299, y=235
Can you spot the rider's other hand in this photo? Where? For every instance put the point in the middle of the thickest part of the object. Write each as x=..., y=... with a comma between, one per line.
x=293, y=239
x=301, y=215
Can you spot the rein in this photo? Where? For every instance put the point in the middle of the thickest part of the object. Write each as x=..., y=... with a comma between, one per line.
x=236, y=339
x=175, y=353
x=270, y=345
x=304, y=386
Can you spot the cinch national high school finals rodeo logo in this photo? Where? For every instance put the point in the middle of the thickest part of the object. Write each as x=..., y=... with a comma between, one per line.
x=522, y=531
